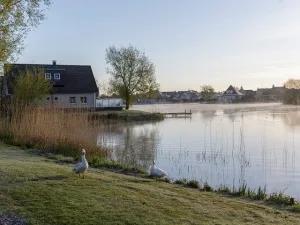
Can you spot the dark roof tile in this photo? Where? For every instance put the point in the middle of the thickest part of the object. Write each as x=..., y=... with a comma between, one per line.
x=73, y=78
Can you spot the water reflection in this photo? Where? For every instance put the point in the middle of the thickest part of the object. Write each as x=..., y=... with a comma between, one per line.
x=224, y=145
x=291, y=119
x=131, y=145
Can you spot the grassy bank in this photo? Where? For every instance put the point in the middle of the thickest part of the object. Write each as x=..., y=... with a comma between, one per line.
x=41, y=191
x=124, y=116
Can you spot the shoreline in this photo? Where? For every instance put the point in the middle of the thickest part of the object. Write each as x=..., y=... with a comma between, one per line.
x=49, y=186
x=259, y=195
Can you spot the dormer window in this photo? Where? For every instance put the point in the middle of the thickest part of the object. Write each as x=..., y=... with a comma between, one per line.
x=48, y=76
x=57, y=76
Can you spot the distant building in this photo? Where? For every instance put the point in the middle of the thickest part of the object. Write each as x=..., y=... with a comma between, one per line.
x=270, y=94
x=180, y=96
x=247, y=92
x=232, y=94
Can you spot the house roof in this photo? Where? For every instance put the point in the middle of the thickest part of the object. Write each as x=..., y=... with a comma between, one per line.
x=73, y=78
x=235, y=91
x=176, y=95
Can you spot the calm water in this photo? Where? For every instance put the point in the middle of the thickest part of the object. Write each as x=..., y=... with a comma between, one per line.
x=256, y=144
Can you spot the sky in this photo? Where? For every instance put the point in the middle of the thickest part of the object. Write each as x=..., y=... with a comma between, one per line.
x=249, y=43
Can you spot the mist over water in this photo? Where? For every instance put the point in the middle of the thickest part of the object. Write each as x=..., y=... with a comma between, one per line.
x=256, y=144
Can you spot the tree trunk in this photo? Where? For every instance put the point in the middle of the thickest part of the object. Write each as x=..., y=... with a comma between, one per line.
x=127, y=100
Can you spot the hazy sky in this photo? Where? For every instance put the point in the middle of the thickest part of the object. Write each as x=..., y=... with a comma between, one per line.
x=254, y=43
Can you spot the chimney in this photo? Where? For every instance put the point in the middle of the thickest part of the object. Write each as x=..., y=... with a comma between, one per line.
x=54, y=62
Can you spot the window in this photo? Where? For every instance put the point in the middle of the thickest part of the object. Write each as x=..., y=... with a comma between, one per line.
x=48, y=76
x=72, y=100
x=83, y=100
x=57, y=76
x=55, y=99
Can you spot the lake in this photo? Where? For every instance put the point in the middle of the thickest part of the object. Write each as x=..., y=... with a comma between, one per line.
x=256, y=144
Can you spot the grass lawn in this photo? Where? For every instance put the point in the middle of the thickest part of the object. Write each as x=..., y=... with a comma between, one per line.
x=44, y=192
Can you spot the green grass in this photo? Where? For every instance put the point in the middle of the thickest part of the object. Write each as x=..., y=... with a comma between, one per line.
x=124, y=116
x=124, y=111
x=44, y=192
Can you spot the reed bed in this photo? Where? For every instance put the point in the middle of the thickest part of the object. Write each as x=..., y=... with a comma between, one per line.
x=55, y=130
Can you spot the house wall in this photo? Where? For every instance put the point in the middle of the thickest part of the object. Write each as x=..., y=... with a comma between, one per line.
x=231, y=98
x=64, y=100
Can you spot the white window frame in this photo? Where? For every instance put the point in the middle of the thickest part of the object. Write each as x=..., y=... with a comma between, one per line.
x=81, y=98
x=72, y=98
x=48, y=76
x=57, y=76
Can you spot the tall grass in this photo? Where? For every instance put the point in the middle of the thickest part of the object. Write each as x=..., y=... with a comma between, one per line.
x=56, y=130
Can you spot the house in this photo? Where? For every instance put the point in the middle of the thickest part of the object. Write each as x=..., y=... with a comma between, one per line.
x=232, y=94
x=248, y=93
x=74, y=86
x=270, y=94
x=219, y=96
x=180, y=96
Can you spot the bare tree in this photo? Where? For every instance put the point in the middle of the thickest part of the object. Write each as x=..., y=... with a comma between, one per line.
x=292, y=84
x=292, y=92
x=104, y=88
x=207, y=92
x=131, y=72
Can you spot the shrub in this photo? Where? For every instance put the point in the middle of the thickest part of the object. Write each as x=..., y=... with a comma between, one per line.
x=224, y=190
x=207, y=187
x=193, y=184
x=181, y=181
x=281, y=199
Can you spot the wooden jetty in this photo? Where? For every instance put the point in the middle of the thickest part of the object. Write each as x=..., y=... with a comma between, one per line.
x=179, y=114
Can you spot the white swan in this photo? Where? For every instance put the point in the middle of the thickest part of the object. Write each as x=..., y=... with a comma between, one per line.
x=82, y=166
x=157, y=172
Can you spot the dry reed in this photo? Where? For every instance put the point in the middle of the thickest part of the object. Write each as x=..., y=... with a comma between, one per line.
x=56, y=130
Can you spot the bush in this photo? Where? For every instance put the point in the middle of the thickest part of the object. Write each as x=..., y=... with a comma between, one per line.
x=207, y=187
x=193, y=184
x=281, y=199
x=224, y=190
x=180, y=181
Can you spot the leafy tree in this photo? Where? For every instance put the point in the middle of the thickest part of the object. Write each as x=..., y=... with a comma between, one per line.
x=207, y=92
x=16, y=19
x=30, y=87
x=131, y=72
